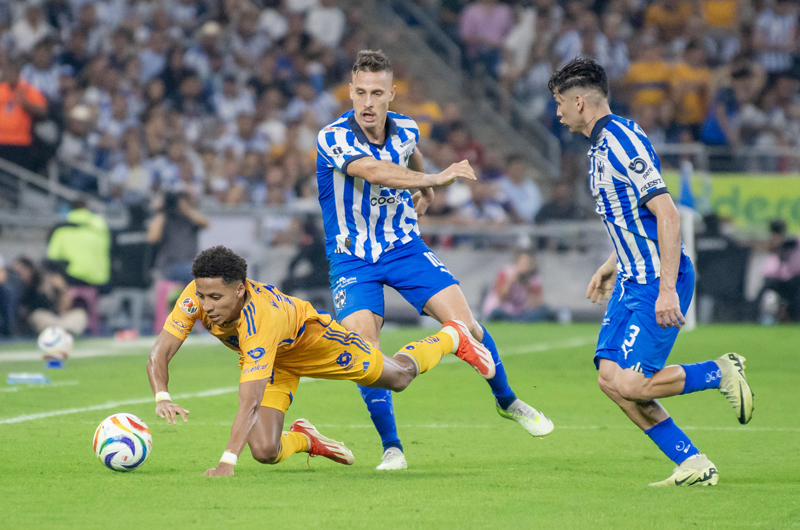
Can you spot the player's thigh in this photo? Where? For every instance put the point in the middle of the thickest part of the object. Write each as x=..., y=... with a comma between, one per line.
x=357, y=287
x=265, y=436
x=646, y=345
x=366, y=323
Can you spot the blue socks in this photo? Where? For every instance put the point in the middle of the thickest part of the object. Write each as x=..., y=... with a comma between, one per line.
x=499, y=383
x=701, y=376
x=379, y=404
x=672, y=441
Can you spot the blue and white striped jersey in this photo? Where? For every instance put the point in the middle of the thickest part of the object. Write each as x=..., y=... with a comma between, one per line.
x=362, y=219
x=626, y=173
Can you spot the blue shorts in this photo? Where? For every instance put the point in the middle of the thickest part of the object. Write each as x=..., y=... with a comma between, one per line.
x=630, y=335
x=413, y=270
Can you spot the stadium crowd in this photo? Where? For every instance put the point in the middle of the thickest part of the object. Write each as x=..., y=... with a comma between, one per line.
x=722, y=72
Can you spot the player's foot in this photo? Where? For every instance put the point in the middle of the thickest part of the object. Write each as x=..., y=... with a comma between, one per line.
x=393, y=458
x=472, y=351
x=733, y=385
x=695, y=471
x=531, y=419
x=319, y=445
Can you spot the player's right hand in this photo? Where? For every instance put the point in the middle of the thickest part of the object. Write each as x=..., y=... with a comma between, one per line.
x=601, y=285
x=169, y=410
x=459, y=169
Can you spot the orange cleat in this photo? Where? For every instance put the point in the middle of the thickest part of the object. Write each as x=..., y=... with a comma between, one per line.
x=319, y=445
x=472, y=351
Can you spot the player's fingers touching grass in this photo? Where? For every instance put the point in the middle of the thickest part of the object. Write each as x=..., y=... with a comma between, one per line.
x=222, y=470
x=171, y=411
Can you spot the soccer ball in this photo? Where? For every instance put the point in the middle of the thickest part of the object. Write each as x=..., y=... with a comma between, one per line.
x=55, y=342
x=122, y=442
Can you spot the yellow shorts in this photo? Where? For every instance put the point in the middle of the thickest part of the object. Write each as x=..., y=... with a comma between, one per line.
x=330, y=352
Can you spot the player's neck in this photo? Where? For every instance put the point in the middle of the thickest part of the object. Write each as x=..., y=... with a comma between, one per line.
x=376, y=134
x=237, y=314
x=593, y=115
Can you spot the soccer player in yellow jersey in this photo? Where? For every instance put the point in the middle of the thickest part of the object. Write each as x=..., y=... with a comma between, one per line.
x=279, y=339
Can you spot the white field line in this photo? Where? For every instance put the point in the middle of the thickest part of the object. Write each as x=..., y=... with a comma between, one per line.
x=558, y=427
x=25, y=386
x=519, y=350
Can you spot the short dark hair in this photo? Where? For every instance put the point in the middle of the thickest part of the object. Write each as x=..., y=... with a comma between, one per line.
x=579, y=72
x=777, y=227
x=371, y=61
x=220, y=262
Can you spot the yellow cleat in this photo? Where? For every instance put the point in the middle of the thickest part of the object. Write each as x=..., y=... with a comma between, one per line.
x=695, y=471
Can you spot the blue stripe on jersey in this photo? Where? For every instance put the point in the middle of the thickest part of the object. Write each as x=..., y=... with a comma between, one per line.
x=249, y=321
x=641, y=244
x=300, y=332
x=346, y=342
x=610, y=218
x=342, y=335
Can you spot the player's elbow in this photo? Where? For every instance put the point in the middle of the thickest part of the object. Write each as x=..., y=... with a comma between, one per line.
x=366, y=168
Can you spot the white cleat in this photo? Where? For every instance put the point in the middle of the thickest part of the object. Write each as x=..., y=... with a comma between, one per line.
x=531, y=419
x=695, y=471
x=393, y=458
x=733, y=385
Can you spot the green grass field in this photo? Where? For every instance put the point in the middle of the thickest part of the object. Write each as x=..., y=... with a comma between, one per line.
x=468, y=468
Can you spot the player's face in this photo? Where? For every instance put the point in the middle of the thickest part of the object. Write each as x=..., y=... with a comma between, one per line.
x=221, y=301
x=371, y=93
x=569, y=110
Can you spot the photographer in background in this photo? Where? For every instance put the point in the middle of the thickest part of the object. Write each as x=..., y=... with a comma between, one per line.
x=174, y=228
x=781, y=275
x=517, y=293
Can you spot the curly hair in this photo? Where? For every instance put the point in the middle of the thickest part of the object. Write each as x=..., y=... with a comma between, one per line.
x=372, y=61
x=220, y=262
x=579, y=72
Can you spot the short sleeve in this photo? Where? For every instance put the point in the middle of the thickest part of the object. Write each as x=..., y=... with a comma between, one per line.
x=338, y=146
x=186, y=311
x=645, y=179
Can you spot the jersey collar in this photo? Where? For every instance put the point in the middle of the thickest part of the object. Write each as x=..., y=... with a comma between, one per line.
x=599, y=125
x=391, y=130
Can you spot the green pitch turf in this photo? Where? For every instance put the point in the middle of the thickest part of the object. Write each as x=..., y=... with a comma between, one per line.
x=468, y=468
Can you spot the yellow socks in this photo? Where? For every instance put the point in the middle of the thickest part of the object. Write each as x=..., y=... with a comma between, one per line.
x=291, y=443
x=426, y=353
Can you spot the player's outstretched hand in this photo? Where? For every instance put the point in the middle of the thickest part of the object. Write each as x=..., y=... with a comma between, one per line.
x=668, y=310
x=601, y=285
x=169, y=410
x=222, y=470
x=459, y=169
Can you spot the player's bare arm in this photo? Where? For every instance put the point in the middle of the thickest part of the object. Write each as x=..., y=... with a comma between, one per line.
x=424, y=196
x=165, y=348
x=250, y=395
x=668, y=309
x=602, y=283
x=390, y=175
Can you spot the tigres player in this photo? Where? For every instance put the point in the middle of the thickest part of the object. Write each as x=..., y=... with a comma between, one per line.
x=280, y=339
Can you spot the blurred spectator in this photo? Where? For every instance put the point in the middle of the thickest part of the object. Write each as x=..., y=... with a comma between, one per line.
x=43, y=300
x=484, y=27
x=8, y=302
x=309, y=267
x=781, y=274
x=30, y=28
x=326, y=23
x=421, y=109
x=42, y=73
x=198, y=57
x=79, y=146
x=668, y=18
x=451, y=114
x=174, y=228
x=232, y=101
x=690, y=83
x=131, y=179
x=647, y=80
x=484, y=208
x=83, y=242
x=76, y=54
x=520, y=195
x=247, y=43
x=466, y=147
x=562, y=206
x=776, y=36
x=20, y=105
x=517, y=293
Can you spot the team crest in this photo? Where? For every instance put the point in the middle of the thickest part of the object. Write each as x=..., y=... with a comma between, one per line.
x=189, y=306
x=340, y=298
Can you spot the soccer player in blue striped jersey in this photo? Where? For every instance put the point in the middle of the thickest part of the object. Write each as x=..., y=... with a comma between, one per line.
x=367, y=163
x=648, y=278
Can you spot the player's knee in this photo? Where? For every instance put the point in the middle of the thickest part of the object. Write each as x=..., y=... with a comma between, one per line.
x=266, y=454
x=630, y=390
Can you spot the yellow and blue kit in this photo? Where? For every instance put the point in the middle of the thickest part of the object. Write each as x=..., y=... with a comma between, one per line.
x=282, y=338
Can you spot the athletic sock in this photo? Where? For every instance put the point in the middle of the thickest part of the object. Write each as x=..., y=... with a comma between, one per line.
x=291, y=443
x=379, y=404
x=672, y=441
x=499, y=383
x=426, y=353
x=701, y=376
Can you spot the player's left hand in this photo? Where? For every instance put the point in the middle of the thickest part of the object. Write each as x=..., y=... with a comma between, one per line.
x=668, y=310
x=422, y=199
x=222, y=470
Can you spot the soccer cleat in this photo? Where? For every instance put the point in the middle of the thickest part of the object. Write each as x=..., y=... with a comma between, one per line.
x=319, y=445
x=531, y=419
x=733, y=385
x=695, y=471
x=472, y=351
x=393, y=458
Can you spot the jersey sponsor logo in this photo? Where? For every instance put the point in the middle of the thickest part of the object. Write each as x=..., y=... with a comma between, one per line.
x=407, y=142
x=189, y=306
x=255, y=368
x=340, y=298
x=380, y=201
x=638, y=165
x=179, y=324
x=256, y=353
x=651, y=184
